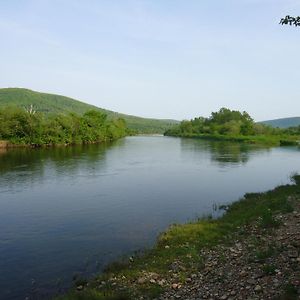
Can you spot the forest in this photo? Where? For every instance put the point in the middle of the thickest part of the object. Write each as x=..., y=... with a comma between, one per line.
x=234, y=125
x=28, y=127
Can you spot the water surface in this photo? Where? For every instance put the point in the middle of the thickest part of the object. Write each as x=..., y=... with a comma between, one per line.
x=69, y=211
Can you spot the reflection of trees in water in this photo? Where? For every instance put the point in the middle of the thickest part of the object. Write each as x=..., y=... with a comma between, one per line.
x=234, y=153
x=26, y=165
x=224, y=153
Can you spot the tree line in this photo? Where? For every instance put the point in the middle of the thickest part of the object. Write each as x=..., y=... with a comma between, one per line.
x=21, y=126
x=228, y=123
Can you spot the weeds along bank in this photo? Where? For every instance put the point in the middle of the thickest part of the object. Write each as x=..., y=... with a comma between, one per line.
x=252, y=251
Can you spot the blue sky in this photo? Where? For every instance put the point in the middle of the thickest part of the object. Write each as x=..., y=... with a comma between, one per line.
x=160, y=58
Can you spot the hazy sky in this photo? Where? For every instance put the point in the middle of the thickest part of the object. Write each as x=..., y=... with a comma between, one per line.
x=161, y=58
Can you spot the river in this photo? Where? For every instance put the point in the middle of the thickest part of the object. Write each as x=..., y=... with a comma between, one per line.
x=68, y=211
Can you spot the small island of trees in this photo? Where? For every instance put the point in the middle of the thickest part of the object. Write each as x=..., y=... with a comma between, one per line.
x=233, y=125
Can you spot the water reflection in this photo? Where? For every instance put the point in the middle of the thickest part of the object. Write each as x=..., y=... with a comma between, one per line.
x=223, y=153
x=24, y=166
x=234, y=153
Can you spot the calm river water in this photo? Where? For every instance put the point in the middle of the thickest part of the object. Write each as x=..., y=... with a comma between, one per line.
x=69, y=211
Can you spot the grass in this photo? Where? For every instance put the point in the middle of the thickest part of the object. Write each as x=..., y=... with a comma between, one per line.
x=269, y=269
x=180, y=245
x=290, y=293
x=263, y=254
x=92, y=294
x=267, y=220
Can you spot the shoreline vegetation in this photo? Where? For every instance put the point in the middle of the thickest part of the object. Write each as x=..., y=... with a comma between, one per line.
x=27, y=128
x=182, y=256
x=234, y=126
x=51, y=104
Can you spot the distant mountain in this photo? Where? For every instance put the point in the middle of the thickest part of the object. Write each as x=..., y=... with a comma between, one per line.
x=283, y=123
x=50, y=103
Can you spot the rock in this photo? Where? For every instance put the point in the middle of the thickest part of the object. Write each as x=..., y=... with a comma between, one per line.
x=152, y=281
x=176, y=286
x=243, y=273
x=161, y=282
x=251, y=281
x=293, y=254
x=141, y=280
x=258, y=288
x=239, y=246
x=79, y=288
x=296, y=282
x=258, y=275
x=182, y=268
x=153, y=275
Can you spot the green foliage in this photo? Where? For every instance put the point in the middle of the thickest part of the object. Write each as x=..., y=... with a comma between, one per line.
x=269, y=269
x=233, y=125
x=290, y=293
x=223, y=122
x=22, y=127
x=263, y=254
x=56, y=104
x=268, y=221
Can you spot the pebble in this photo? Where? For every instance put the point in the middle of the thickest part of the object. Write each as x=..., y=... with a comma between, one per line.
x=258, y=288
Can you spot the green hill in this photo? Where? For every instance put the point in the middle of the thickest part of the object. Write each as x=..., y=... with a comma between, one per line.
x=50, y=103
x=283, y=123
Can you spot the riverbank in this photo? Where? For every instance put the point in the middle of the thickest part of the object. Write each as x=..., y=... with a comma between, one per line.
x=250, y=252
x=252, y=139
x=5, y=145
x=11, y=145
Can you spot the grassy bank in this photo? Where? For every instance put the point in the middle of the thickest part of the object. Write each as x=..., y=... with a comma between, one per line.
x=270, y=140
x=178, y=249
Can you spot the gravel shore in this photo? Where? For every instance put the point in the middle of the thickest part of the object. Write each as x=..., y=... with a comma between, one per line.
x=257, y=263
